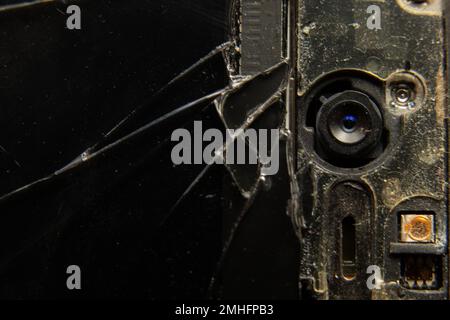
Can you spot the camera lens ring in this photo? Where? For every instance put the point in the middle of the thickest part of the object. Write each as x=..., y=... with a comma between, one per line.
x=349, y=124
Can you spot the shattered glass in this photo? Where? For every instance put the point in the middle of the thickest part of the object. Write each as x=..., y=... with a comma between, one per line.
x=85, y=140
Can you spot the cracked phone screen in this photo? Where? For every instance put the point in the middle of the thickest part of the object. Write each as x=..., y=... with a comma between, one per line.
x=86, y=171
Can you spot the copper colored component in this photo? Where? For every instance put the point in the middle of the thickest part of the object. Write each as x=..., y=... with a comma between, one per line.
x=420, y=228
x=417, y=228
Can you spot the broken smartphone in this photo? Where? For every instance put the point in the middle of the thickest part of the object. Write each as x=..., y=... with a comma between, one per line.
x=341, y=109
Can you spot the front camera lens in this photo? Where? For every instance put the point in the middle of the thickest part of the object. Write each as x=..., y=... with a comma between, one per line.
x=349, y=122
x=349, y=125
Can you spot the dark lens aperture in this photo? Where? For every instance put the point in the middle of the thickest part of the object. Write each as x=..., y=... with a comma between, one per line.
x=349, y=122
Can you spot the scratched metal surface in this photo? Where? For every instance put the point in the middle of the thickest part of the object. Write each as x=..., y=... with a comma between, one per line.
x=333, y=35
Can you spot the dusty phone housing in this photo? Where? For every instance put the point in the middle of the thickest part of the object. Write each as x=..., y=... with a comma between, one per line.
x=366, y=125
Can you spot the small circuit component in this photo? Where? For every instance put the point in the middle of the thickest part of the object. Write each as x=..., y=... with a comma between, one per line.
x=417, y=228
x=420, y=272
